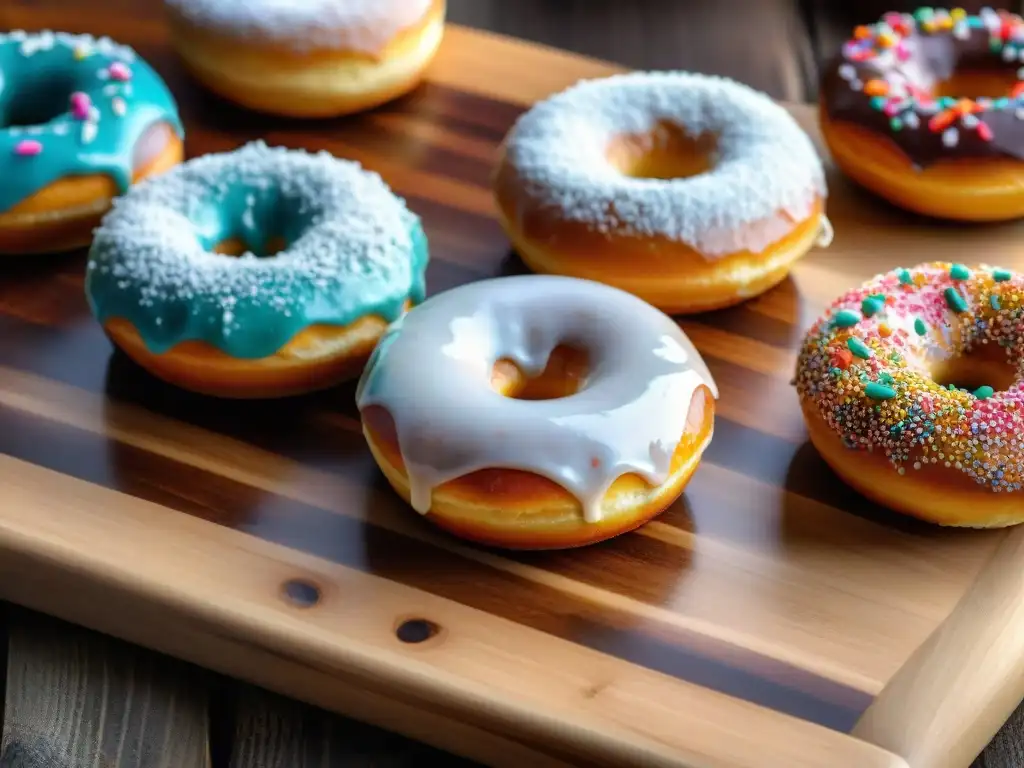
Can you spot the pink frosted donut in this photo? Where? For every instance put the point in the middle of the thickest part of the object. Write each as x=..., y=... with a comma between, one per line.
x=911, y=386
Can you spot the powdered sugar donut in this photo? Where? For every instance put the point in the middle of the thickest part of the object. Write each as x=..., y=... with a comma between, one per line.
x=692, y=192
x=312, y=58
x=912, y=386
x=327, y=257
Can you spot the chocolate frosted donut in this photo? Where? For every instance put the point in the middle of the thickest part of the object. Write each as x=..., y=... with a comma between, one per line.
x=886, y=76
x=927, y=110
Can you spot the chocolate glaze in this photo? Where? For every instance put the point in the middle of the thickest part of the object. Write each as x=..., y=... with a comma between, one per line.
x=930, y=58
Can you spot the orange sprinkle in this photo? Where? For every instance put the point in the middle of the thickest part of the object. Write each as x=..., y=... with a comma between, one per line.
x=942, y=121
x=884, y=330
x=842, y=359
x=876, y=88
x=1018, y=90
x=966, y=107
x=862, y=33
x=886, y=40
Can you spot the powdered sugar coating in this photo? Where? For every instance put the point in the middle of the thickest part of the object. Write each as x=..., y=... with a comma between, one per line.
x=353, y=249
x=767, y=177
x=365, y=26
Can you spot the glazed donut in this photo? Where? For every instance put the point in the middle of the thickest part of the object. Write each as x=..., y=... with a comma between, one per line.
x=80, y=120
x=688, y=191
x=537, y=412
x=896, y=116
x=315, y=58
x=911, y=386
x=327, y=256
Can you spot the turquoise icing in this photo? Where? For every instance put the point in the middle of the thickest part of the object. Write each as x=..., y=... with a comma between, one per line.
x=352, y=248
x=38, y=74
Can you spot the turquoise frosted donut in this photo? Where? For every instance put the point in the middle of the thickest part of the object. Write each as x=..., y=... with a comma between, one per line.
x=73, y=106
x=351, y=250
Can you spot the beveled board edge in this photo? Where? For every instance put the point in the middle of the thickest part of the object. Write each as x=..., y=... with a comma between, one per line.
x=213, y=596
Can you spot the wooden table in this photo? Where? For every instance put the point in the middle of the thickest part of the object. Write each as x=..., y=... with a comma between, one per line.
x=753, y=624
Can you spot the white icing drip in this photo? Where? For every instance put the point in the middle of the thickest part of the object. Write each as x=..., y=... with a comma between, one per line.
x=357, y=25
x=826, y=234
x=767, y=176
x=432, y=370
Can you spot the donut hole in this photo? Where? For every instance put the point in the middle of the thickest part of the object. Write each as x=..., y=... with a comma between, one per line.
x=984, y=366
x=665, y=152
x=564, y=375
x=238, y=246
x=35, y=101
x=977, y=84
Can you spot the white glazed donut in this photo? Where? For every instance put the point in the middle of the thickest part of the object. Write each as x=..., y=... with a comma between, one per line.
x=308, y=58
x=690, y=191
x=451, y=408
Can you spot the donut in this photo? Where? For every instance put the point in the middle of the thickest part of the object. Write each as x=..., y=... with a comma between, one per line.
x=81, y=119
x=314, y=58
x=926, y=110
x=688, y=191
x=257, y=273
x=911, y=387
x=536, y=411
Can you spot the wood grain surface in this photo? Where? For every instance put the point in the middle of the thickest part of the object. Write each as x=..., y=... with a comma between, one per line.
x=751, y=625
x=69, y=705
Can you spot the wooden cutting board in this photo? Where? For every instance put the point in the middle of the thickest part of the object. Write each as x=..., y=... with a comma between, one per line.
x=750, y=625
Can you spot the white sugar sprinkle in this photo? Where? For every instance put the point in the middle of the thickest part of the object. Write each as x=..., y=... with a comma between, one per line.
x=357, y=227
x=89, y=131
x=847, y=72
x=951, y=137
x=360, y=25
x=119, y=107
x=767, y=173
x=31, y=43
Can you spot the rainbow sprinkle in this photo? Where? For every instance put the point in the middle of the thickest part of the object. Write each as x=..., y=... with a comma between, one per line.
x=873, y=65
x=887, y=401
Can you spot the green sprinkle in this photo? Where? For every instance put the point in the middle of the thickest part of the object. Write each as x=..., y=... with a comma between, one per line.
x=877, y=391
x=845, y=318
x=878, y=102
x=955, y=301
x=959, y=272
x=993, y=301
x=920, y=327
x=895, y=124
x=885, y=378
x=995, y=44
x=859, y=348
x=1001, y=275
x=879, y=297
x=904, y=276
x=984, y=393
x=871, y=306
x=923, y=14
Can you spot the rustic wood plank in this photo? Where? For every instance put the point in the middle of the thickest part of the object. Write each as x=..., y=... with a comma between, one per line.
x=764, y=44
x=77, y=699
x=273, y=732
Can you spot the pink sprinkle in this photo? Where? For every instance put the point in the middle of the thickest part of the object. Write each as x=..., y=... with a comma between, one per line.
x=902, y=52
x=119, y=71
x=28, y=148
x=984, y=132
x=80, y=104
x=891, y=108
